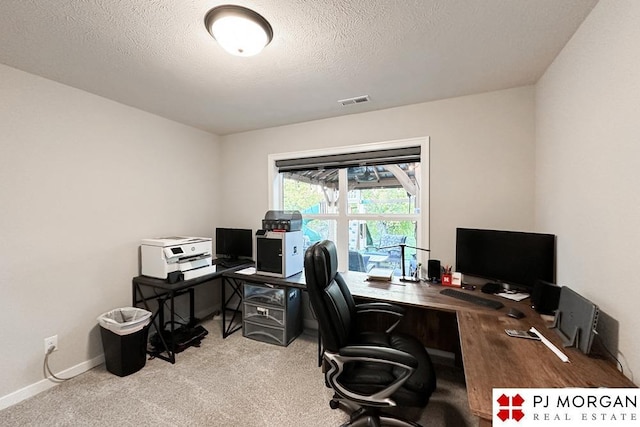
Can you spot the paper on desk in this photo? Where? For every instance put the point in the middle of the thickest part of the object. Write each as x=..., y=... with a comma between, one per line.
x=247, y=271
x=517, y=296
x=380, y=274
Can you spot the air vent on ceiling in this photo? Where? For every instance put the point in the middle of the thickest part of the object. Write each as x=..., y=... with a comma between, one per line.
x=354, y=100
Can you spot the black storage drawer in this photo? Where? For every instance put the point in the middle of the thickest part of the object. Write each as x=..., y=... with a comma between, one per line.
x=271, y=313
x=264, y=294
x=266, y=334
x=264, y=315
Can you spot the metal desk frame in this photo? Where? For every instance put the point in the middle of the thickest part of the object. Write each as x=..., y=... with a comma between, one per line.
x=165, y=293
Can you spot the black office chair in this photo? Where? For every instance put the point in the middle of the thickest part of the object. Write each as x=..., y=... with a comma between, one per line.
x=368, y=371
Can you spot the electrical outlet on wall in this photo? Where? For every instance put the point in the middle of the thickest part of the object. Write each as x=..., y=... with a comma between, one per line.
x=50, y=342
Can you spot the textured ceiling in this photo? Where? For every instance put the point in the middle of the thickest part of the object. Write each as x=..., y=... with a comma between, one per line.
x=156, y=55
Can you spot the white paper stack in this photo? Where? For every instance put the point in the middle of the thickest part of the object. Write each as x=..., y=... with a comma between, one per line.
x=380, y=274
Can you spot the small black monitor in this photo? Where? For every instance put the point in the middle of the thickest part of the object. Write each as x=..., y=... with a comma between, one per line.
x=508, y=257
x=234, y=243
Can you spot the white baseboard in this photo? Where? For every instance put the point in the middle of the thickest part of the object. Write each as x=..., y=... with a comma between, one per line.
x=42, y=385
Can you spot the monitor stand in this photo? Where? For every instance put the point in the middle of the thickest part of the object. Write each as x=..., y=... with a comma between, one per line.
x=232, y=262
x=492, y=288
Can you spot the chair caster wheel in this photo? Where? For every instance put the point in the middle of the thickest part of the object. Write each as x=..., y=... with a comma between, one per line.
x=334, y=404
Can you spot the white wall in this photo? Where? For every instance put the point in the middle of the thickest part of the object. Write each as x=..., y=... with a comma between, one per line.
x=482, y=160
x=588, y=167
x=82, y=180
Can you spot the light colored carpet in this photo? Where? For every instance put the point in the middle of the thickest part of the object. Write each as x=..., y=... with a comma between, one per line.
x=233, y=382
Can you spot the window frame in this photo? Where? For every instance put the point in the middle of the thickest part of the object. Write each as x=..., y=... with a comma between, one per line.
x=275, y=183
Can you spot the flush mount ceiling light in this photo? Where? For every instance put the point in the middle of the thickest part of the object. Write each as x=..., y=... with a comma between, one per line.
x=240, y=31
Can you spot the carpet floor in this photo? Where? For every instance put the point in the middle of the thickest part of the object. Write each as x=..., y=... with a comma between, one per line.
x=235, y=382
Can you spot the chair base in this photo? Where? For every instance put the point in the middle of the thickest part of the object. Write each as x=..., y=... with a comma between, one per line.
x=369, y=416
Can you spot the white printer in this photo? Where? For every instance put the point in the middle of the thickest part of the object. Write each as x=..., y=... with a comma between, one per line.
x=279, y=253
x=186, y=256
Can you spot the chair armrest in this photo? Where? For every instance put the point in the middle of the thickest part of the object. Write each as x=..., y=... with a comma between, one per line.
x=382, y=307
x=374, y=353
x=366, y=353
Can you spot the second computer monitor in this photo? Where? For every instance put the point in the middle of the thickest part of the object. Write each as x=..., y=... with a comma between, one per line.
x=234, y=243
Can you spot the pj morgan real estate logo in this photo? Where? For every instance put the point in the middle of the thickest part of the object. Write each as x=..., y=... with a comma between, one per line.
x=566, y=407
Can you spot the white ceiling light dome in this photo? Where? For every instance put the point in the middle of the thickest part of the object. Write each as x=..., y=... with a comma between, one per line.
x=240, y=31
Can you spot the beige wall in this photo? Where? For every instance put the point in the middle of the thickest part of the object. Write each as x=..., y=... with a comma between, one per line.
x=482, y=160
x=588, y=168
x=82, y=180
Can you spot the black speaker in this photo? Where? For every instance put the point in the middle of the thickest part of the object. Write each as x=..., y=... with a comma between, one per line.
x=545, y=297
x=433, y=270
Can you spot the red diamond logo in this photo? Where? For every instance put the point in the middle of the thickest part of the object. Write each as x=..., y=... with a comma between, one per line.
x=510, y=407
x=517, y=400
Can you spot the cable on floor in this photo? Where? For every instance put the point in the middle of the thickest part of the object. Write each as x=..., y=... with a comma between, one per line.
x=47, y=370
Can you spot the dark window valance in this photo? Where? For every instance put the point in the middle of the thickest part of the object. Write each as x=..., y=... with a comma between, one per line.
x=347, y=160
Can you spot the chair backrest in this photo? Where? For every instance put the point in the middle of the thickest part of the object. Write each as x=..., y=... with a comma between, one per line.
x=356, y=262
x=329, y=295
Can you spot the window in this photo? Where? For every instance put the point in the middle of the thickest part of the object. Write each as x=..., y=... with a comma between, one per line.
x=385, y=206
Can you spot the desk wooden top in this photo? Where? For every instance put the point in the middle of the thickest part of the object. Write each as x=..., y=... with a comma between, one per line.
x=492, y=359
x=422, y=294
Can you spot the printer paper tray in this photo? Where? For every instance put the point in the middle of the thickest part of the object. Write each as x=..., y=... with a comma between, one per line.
x=198, y=272
x=194, y=263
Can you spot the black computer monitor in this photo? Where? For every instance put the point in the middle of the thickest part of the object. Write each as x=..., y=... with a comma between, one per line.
x=514, y=258
x=234, y=243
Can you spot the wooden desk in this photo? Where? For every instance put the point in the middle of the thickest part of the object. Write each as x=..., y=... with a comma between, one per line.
x=490, y=357
x=430, y=316
x=422, y=295
x=476, y=335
